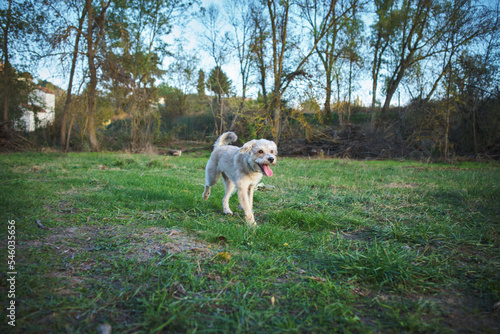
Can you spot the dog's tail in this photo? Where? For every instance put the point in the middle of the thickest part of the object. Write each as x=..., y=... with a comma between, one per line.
x=225, y=139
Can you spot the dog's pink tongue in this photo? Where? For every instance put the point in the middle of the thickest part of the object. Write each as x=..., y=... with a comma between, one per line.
x=267, y=170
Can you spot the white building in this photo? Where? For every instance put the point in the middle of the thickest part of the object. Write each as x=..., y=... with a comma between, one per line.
x=41, y=111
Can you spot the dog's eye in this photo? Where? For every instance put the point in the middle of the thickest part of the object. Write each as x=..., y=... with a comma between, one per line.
x=272, y=152
x=260, y=151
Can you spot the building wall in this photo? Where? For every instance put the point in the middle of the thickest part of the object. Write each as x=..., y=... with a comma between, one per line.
x=44, y=99
x=27, y=121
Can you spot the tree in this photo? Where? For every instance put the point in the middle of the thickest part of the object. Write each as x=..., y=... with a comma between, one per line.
x=21, y=25
x=351, y=50
x=135, y=55
x=422, y=30
x=382, y=32
x=64, y=136
x=259, y=48
x=64, y=37
x=327, y=49
x=217, y=45
x=7, y=68
x=239, y=17
x=414, y=42
x=200, y=87
x=175, y=100
x=181, y=73
x=466, y=21
x=219, y=83
x=279, y=16
x=216, y=42
x=95, y=32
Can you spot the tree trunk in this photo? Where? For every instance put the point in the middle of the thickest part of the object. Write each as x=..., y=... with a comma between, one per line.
x=94, y=145
x=388, y=98
x=374, y=102
x=339, y=105
x=263, y=86
x=221, y=113
x=278, y=60
x=473, y=109
x=328, y=98
x=69, y=132
x=71, y=76
x=349, y=93
x=6, y=69
x=393, y=86
x=277, y=117
x=377, y=62
x=374, y=89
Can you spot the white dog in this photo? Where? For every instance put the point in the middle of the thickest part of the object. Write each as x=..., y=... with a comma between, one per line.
x=241, y=168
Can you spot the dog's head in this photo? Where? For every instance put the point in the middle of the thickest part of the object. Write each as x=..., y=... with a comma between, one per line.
x=262, y=153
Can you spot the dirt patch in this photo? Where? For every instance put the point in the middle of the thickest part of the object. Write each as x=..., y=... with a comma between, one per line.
x=141, y=245
x=63, y=207
x=159, y=241
x=467, y=311
x=400, y=185
x=358, y=235
x=85, y=254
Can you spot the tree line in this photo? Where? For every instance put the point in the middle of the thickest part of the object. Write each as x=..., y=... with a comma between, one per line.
x=442, y=54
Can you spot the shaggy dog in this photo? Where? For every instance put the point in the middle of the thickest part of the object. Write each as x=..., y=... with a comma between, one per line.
x=241, y=168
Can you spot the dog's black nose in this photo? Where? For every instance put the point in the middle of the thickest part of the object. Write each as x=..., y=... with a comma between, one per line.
x=270, y=159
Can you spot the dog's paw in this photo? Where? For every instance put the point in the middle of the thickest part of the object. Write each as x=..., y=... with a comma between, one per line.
x=206, y=193
x=250, y=220
x=228, y=212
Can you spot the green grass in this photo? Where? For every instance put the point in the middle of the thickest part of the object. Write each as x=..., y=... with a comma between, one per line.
x=341, y=246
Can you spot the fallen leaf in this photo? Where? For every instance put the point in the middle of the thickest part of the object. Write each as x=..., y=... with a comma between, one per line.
x=224, y=256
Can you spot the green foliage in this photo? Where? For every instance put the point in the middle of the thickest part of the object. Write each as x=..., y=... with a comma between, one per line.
x=200, y=87
x=20, y=90
x=174, y=100
x=218, y=82
x=254, y=121
x=193, y=127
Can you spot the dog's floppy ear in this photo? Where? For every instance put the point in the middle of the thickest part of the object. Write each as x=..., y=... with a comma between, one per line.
x=248, y=146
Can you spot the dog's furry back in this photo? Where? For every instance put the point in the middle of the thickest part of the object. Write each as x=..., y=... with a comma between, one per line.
x=226, y=139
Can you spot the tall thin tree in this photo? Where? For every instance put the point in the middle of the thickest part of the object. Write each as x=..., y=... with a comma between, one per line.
x=7, y=70
x=279, y=15
x=64, y=121
x=95, y=31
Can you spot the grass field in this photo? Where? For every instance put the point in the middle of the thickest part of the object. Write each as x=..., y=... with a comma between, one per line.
x=341, y=245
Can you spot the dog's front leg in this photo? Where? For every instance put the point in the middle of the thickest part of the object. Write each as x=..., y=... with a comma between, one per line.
x=243, y=192
x=229, y=191
x=250, y=196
